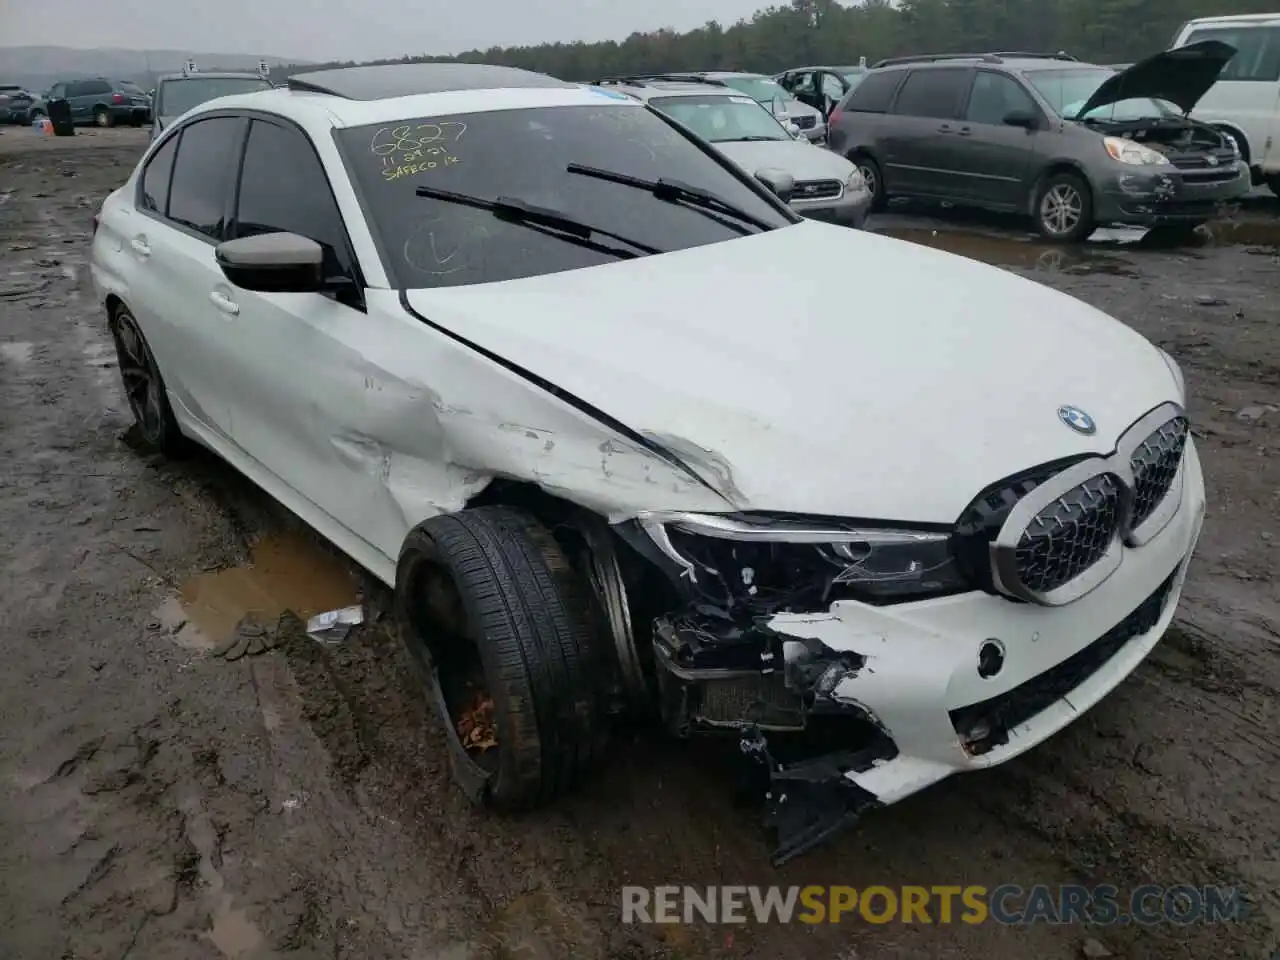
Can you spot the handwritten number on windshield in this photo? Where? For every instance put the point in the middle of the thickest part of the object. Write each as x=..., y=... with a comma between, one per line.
x=403, y=139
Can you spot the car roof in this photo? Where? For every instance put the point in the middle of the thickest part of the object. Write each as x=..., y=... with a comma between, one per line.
x=212, y=75
x=1019, y=61
x=323, y=99
x=383, y=81
x=1240, y=19
x=645, y=88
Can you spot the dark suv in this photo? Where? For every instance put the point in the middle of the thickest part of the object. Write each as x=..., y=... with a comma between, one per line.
x=104, y=102
x=1072, y=144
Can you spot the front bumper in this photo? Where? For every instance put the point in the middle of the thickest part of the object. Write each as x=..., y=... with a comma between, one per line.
x=918, y=674
x=1148, y=198
x=850, y=209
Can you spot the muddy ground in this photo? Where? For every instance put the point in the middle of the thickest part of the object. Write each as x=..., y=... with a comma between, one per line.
x=160, y=802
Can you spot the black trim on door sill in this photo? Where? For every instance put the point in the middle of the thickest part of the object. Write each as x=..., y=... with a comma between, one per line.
x=577, y=403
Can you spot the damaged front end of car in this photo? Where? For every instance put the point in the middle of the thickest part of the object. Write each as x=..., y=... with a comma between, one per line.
x=725, y=657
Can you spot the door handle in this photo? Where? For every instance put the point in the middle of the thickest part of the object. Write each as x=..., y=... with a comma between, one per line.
x=944, y=128
x=224, y=303
x=964, y=131
x=140, y=247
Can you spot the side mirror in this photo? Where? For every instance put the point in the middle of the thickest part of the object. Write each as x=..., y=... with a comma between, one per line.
x=779, y=182
x=778, y=107
x=1021, y=118
x=792, y=129
x=273, y=263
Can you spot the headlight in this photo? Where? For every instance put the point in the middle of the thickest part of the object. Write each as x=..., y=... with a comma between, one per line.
x=855, y=182
x=1134, y=154
x=1176, y=370
x=783, y=563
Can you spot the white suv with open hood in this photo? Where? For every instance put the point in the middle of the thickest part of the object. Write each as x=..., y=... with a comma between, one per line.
x=535, y=357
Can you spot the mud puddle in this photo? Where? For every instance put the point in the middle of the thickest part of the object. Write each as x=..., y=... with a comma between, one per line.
x=286, y=572
x=1013, y=252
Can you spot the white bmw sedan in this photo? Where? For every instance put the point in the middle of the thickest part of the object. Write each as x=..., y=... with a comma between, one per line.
x=536, y=358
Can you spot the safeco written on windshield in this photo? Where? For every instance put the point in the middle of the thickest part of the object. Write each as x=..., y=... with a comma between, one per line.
x=1008, y=904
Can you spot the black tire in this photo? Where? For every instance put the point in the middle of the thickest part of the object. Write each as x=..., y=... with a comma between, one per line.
x=870, y=171
x=155, y=426
x=1063, y=208
x=542, y=658
x=1273, y=183
x=102, y=117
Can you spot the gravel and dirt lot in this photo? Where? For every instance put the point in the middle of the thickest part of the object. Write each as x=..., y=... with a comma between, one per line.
x=157, y=801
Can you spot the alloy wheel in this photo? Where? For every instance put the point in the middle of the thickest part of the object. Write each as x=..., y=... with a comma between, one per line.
x=869, y=177
x=1061, y=209
x=141, y=380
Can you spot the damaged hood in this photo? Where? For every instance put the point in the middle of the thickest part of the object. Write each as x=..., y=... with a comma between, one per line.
x=1181, y=76
x=896, y=393
x=799, y=158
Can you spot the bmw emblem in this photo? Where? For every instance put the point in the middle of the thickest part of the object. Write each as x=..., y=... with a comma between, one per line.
x=1077, y=420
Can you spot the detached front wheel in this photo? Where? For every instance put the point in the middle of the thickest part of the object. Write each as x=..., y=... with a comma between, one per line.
x=1064, y=208
x=505, y=635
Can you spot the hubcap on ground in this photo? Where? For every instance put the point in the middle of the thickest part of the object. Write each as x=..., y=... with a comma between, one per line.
x=141, y=385
x=1061, y=209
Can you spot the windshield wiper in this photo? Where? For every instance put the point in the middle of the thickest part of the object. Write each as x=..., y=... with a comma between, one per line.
x=561, y=225
x=750, y=138
x=673, y=191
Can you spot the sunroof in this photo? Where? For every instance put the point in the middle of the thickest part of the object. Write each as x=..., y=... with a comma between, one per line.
x=405, y=79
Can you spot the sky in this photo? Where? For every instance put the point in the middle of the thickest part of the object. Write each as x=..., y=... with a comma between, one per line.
x=347, y=29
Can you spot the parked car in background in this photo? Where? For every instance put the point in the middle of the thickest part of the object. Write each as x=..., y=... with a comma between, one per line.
x=177, y=93
x=775, y=98
x=1245, y=100
x=600, y=411
x=821, y=87
x=826, y=185
x=1073, y=144
x=20, y=105
x=104, y=102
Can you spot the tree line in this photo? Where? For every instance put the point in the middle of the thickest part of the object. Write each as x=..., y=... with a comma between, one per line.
x=810, y=32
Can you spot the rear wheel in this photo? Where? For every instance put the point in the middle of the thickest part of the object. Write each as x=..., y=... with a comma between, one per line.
x=1064, y=208
x=144, y=387
x=870, y=171
x=510, y=649
x=102, y=117
x=1273, y=182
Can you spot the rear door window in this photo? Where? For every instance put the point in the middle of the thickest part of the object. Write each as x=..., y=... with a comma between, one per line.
x=155, y=178
x=875, y=93
x=1257, y=56
x=933, y=93
x=203, y=174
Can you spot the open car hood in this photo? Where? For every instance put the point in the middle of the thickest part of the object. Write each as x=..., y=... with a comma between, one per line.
x=1182, y=76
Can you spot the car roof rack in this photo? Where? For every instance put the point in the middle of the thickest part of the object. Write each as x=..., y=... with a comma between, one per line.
x=383, y=81
x=998, y=57
x=642, y=79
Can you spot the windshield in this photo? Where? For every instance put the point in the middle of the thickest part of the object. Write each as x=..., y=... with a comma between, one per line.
x=761, y=89
x=180, y=95
x=720, y=119
x=1068, y=90
x=524, y=155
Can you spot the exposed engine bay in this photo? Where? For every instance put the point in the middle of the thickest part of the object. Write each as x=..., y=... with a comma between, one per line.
x=1170, y=135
